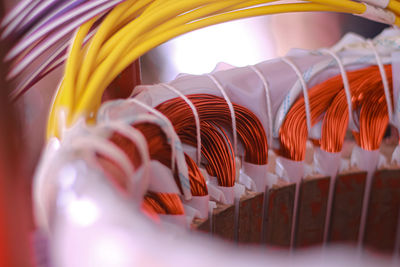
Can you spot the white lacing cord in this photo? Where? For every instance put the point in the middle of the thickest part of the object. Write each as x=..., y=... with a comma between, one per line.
x=305, y=91
x=268, y=102
x=384, y=80
x=368, y=182
x=346, y=86
x=166, y=120
x=352, y=126
x=231, y=109
x=106, y=148
x=136, y=137
x=196, y=118
x=308, y=120
x=175, y=143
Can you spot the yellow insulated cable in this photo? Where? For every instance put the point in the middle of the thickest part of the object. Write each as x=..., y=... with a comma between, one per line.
x=356, y=7
x=99, y=80
x=133, y=28
x=394, y=6
x=127, y=8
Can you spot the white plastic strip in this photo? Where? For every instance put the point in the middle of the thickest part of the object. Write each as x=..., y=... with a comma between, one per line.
x=268, y=102
x=106, y=148
x=162, y=179
x=191, y=213
x=346, y=86
x=366, y=160
x=231, y=109
x=168, y=129
x=133, y=135
x=396, y=155
x=295, y=214
x=196, y=118
x=215, y=193
x=229, y=193
x=166, y=126
x=396, y=88
x=289, y=170
x=178, y=220
x=247, y=181
x=200, y=203
x=305, y=90
x=327, y=163
x=137, y=138
x=378, y=14
x=377, y=3
x=384, y=80
x=165, y=119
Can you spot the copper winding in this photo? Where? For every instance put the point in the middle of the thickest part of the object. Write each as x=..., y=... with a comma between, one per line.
x=214, y=109
x=164, y=203
x=160, y=150
x=149, y=209
x=198, y=187
x=293, y=133
x=216, y=149
x=328, y=102
x=374, y=116
x=334, y=125
x=368, y=100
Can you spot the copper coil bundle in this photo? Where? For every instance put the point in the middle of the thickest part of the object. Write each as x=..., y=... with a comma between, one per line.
x=214, y=109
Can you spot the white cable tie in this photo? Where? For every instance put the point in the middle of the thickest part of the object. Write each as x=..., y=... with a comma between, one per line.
x=268, y=101
x=231, y=109
x=346, y=86
x=305, y=91
x=175, y=143
x=377, y=3
x=196, y=118
x=106, y=148
x=378, y=14
x=166, y=120
x=137, y=138
x=384, y=81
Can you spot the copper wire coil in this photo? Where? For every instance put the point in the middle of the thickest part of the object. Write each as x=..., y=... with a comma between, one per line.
x=327, y=102
x=198, y=187
x=366, y=89
x=148, y=209
x=374, y=116
x=160, y=150
x=216, y=150
x=164, y=203
x=214, y=109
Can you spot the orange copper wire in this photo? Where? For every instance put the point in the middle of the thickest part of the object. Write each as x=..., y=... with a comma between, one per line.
x=216, y=149
x=164, y=203
x=159, y=150
x=374, y=116
x=329, y=98
x=215, y=110
x=198, y=187
x=293, y=133
x=368, y=100
x=148, y=209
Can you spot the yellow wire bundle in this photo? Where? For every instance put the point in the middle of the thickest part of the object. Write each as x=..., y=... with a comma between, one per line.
x=136, y=26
